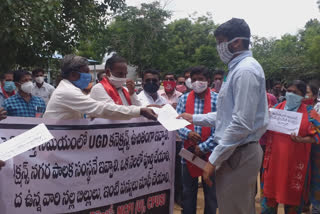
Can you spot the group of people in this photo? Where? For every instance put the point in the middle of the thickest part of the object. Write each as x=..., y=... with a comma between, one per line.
x=228, y=116
x=23, y=98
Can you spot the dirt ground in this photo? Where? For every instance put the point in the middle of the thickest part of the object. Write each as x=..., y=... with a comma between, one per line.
x=200, y=204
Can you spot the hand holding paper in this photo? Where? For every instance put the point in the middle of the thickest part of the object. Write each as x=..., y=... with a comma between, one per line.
x=188, y=117
x=299, y=139
x=167, y=116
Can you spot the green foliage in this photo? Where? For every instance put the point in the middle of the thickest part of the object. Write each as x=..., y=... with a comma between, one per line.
x=310, y=39
x=314, y=51
x=33, y=30
x=292, y=56
x=142, y=36
x=191, y=42
x=139, y=35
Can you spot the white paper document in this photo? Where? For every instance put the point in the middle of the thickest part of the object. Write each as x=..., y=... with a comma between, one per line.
x=283, y=121
x=25, y=141
x=189, y=155
x=167, y=116
x=155, y=109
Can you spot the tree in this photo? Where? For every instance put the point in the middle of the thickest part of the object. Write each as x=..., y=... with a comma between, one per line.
x=292, y=56
x=145, y=40
x=139, y=35
x=191, y=42
x=263, y=51
x=33, y=30
x=310, y=38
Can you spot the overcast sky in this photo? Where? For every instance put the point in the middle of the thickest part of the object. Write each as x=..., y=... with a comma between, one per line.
x=268, y=18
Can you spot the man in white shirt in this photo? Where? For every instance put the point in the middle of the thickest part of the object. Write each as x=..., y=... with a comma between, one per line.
x=110, y=88
x=69, y=102
x=170, y=93
x=151, y=84
x=41, y=88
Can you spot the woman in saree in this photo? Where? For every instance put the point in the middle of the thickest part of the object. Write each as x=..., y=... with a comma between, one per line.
x=286, y=165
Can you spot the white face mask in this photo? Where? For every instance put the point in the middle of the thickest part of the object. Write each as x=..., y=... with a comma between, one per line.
x=199, y=86
x=27, y=87
x=188, y=83
x=39, y=80
x=224, y=52
x=116, y=81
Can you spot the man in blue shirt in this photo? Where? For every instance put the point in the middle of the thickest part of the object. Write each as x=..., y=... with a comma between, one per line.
x=240, y=121
x=23, y=104
x=7, y=87
x=198, y=140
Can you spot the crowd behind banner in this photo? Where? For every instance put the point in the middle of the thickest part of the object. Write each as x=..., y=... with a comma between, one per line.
x=228, y=116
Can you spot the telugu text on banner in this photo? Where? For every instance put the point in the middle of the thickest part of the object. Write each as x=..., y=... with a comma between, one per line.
x=98, y=166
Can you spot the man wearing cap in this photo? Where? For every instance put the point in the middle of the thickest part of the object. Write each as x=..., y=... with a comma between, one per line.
x=240, y=120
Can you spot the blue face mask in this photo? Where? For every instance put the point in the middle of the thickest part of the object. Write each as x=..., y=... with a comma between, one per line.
x=9, y=86
x=83, y=81
x=293, y=101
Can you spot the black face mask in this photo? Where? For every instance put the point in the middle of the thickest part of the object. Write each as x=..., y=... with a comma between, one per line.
x=151, y=87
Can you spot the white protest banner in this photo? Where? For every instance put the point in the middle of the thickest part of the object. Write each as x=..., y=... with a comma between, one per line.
x=100, y=166
x=282, y=121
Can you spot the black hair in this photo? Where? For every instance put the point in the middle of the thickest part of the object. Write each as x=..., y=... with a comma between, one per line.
x=200, y=70
x=4, y=74
x=187, y=70
x=113, y=60
x=99, y=74
x=36, y=71
x=174, y=76
x=19, y=74
x=218, y=72
x=301, y=86
x=235, y=28
x=151, y=71
x=314, y=88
